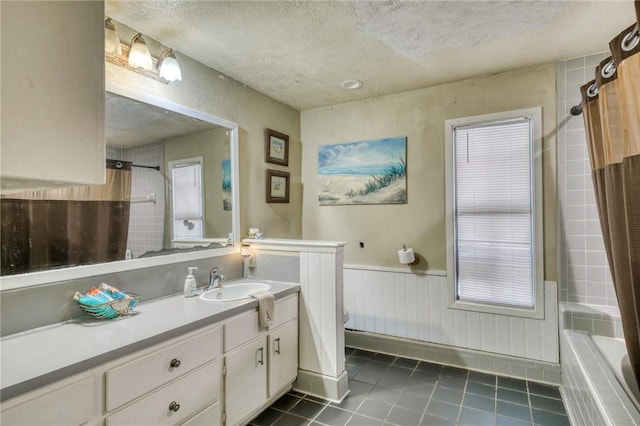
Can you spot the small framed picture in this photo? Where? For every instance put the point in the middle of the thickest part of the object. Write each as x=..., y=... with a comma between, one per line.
x=276, y=148
x=277, y=186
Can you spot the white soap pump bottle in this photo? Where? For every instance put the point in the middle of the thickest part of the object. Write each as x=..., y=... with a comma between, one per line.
x=190, y=283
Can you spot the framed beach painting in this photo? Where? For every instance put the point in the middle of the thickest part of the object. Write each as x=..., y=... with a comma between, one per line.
x=366, y=172
x=276, y=148
x=226, y=185
x=277, y=186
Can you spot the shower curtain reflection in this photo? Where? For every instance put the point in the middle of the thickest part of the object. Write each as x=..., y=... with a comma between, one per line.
x=611, y=113
x=70, y=226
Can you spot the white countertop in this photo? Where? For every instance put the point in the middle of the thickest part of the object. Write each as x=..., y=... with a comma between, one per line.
x=38, y=357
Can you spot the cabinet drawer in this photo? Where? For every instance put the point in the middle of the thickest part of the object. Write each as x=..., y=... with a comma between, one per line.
x=244, y=327
x=240, y=329
x=286, y=309
x=69, y=404
x=210, y=416
x=135, y=378
x=192, y=392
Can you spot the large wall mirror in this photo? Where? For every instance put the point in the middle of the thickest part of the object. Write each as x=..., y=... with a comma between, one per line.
x=172, y=189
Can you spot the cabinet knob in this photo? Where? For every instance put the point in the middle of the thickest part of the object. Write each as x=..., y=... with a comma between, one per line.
x=174, y=406
x=175, y=363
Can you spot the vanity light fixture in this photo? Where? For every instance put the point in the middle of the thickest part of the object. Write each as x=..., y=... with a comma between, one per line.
x=245, y=250
x=168, y=66
x=111, y=40
x=139, y=55
x=136, y=57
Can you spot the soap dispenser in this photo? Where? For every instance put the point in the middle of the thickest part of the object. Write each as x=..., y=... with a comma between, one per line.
x=190, y=283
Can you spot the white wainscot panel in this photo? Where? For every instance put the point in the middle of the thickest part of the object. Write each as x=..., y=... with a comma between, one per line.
x=415, y=306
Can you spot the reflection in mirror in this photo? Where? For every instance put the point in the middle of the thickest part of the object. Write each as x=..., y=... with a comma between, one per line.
x=168, y=190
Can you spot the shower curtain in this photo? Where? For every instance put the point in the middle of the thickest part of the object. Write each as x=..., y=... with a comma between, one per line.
x=71, y=226
x=611, y=105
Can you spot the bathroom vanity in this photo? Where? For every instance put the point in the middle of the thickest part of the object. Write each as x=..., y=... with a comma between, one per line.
x=177, y=361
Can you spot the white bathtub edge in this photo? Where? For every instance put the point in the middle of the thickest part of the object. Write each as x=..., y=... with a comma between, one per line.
x=595, y=370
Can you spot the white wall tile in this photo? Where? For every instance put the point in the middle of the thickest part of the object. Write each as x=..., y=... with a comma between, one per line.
x=575, y=63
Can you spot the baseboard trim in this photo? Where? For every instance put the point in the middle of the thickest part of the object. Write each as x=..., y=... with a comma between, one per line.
x=334, y=389
x=502, y=365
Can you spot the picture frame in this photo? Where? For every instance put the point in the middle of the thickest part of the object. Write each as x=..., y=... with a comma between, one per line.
x=276, y=148
x=277, y=186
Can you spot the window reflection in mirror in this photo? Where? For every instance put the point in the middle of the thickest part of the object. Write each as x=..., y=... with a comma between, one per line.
x=143, y=140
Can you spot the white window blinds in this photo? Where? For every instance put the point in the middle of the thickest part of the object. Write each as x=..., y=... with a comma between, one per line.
x=493, y=213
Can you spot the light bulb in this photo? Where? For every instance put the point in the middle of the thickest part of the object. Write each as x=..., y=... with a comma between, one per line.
x=139, y=55
x=168, y=66
x=111, y=40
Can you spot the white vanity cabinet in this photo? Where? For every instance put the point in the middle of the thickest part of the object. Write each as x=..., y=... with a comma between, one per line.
x=53, y=101
x=222, y=373
x=259, y=364
x=67, y=402
x=167, y=384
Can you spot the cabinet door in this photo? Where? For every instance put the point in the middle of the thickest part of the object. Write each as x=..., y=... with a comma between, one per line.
x=53, y=98
x=246, y=380
x=283, y=356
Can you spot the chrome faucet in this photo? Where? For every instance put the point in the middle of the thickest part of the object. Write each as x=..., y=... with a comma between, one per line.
x=215, y=278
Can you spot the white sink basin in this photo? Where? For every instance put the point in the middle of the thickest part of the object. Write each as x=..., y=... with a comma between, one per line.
x=233, y=292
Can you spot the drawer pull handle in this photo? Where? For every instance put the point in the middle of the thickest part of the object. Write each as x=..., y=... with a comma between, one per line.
x=174, y=406
x=261, y=360
x=175, y=363
x=278, y=346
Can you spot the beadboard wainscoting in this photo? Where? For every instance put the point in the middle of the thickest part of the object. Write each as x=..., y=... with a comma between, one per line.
x=415, y=306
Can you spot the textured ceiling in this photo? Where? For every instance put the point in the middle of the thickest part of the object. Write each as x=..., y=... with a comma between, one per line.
x=298, y=52
x=130, y=122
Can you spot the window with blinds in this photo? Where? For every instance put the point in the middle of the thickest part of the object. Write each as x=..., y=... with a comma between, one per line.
x=492, y=211
x=186, y=179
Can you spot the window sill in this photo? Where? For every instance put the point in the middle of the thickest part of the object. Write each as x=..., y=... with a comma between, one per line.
x=512, y=311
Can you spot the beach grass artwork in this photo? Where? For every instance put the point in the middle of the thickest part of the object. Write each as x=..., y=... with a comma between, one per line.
x=367, y=172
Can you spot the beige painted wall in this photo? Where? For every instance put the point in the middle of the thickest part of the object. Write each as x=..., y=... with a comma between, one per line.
x=420, y=115
x=209, y=91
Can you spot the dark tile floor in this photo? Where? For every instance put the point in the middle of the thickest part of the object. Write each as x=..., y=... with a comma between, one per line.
x=388, y=390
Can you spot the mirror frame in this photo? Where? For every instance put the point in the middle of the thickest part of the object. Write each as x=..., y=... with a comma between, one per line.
x=30, y=279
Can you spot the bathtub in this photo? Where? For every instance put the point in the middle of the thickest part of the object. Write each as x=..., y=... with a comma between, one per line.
x=594, y=385
x=614, y=352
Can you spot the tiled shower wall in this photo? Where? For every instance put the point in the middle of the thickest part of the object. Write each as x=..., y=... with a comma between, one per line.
x=146, y=222
x=584, y=273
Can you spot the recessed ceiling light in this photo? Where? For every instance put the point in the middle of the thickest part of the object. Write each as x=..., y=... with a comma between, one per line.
x=351, y=84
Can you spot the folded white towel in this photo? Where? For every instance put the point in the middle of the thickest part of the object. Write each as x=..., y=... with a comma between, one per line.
x=266, y=306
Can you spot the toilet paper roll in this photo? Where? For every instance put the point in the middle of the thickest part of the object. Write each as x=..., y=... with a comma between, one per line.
x=406, y=256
